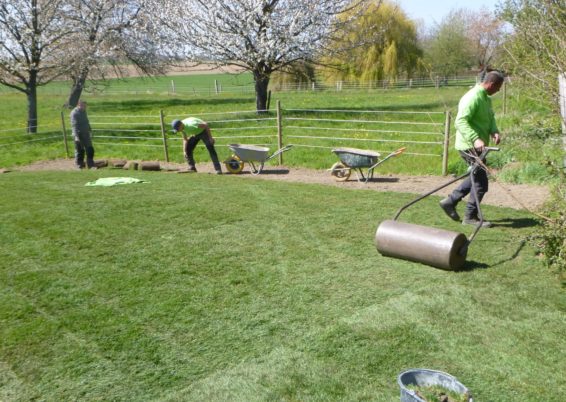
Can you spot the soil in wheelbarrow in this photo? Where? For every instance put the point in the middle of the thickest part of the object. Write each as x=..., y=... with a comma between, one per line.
x=436, y=393
x=505, y=195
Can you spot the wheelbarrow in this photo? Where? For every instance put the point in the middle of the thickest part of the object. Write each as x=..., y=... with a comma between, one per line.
x=427, y=245
x=251, y=154
x=357, y=159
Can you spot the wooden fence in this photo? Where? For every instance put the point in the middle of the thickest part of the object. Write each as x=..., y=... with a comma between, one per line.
x=426, y=133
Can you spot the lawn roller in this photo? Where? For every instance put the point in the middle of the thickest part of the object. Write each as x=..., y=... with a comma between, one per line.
x=251, y=154
x=431, y=246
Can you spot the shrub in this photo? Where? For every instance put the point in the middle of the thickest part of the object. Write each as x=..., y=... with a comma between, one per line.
x=551, y=241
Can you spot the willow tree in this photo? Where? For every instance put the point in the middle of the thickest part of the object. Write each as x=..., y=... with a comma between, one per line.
x=390, y=68
x=380, y=43
x=260, y=36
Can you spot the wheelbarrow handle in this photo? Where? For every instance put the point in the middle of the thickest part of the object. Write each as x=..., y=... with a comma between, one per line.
x=279, y=151
x=392, y=154
x=399, y=151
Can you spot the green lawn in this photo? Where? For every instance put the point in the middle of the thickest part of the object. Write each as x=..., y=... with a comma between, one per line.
x=221, y=288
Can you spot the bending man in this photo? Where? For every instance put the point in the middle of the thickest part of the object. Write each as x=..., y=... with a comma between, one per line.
x=194, y=130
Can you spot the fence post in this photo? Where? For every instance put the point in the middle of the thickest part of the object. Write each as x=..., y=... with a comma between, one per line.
x=216, y=87
x=447, y=119
x=562, y=97
x=504, y=98
x=64, y=135
x=164, y=135
x=279, y=131
x=173, y=87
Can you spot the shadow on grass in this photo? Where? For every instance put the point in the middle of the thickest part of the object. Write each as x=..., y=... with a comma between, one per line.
x=383, y=180
x=134, y=105
x=519, y=223
x=513, y=256
x=266, y=172
x=472, y=265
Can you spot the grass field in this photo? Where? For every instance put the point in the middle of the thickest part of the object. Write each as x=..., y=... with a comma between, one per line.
x=222, y=288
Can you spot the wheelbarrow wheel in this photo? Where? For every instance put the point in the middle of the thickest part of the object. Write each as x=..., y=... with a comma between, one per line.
x=340, y=171
x=234, y=164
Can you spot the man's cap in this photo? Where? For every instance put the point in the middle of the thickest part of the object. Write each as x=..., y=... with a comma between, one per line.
x=175, y=124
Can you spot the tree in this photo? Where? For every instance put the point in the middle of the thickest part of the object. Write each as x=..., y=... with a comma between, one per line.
x=486, y=33
x=33, y=37
x=448, y=49
x=390, y=62
x=380, y=43
x=463, y=40
x=261, y=36
x=536, y=46
x=109, y=35
x=536, y=50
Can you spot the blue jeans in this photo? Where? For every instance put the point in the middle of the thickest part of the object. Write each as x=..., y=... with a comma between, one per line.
x=80, y=151
x=481, y=184
x=191, y=145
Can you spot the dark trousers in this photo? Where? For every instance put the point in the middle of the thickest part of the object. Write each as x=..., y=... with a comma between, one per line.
x=191, y=145
x=481, y=184
x=80, y=151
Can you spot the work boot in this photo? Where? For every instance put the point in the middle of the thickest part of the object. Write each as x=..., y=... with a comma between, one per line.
x=449, y=208
x=476, y=222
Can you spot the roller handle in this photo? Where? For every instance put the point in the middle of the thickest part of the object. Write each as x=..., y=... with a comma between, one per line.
x=486, y=150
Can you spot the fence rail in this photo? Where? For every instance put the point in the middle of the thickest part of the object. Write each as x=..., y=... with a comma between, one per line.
x=426, y=134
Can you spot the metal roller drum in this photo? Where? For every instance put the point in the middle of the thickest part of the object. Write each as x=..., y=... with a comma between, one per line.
x=431, y=246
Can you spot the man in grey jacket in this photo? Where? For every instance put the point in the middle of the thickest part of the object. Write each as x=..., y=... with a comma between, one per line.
x=82, y=135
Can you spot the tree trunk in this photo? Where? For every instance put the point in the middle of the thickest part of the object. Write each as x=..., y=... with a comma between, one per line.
x=77, y=89
x=31, y=93
x=261, y=83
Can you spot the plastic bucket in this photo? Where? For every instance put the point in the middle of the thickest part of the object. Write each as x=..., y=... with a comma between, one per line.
x=427, y=378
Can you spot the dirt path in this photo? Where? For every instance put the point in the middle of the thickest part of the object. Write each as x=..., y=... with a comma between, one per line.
x=502, y=195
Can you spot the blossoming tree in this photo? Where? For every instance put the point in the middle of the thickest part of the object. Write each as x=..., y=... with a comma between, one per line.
x=32, y=39
x=260, y=36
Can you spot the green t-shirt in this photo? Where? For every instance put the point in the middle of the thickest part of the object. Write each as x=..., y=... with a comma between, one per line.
x=192, y=126
x=475, y=119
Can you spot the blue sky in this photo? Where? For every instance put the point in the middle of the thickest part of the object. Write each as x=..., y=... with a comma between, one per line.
x=431, y=11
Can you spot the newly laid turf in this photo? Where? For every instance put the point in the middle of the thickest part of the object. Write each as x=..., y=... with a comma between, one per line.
x=221, y=288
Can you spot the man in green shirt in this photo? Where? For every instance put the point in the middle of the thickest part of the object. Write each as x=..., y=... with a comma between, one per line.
x=475, y=125
x=194, y=130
